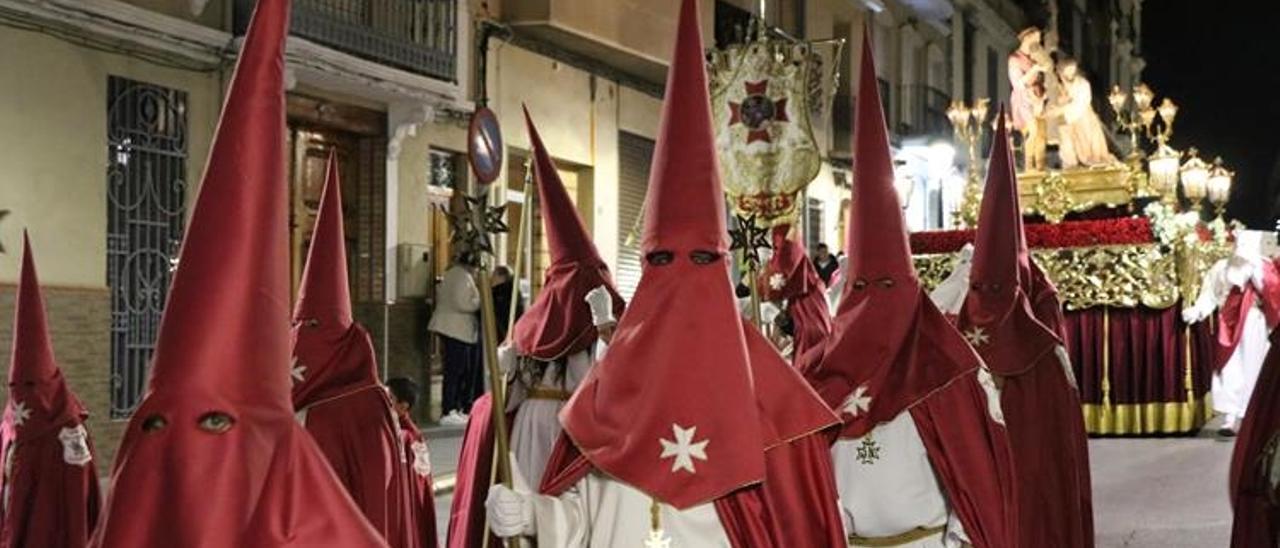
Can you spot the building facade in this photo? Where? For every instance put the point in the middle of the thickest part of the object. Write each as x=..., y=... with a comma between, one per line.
x=109, y=106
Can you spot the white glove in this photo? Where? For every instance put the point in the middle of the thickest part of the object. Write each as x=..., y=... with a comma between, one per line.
x=1193, y=314
x=510, y=509
x=601, y=303
x=510, y=512
x=506, y=358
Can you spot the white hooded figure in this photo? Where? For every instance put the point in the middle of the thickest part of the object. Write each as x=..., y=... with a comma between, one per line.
x=537, y=401
x=1243, y=271
x=950, y=294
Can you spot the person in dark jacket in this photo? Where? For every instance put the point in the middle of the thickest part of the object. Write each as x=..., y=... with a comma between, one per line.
x=503, y=282
x=825, y=263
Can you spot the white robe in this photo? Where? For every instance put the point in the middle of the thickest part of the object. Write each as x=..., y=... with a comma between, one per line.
x=895, y=493
x=537, y=424
x=1233, y=385
x=602, y=512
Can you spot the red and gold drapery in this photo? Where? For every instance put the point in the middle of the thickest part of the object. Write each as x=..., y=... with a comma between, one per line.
x=1140, y=369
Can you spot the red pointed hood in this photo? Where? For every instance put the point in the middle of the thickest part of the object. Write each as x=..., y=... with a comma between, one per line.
x=559, y=322
x=229, y=300
x=217, y=422
x=890, y=346
x=789, y=273
x=332, y=355
x=997, y=315
x=324, y=295
x=685, y=206
x=662, y=411
x=1045, y=304
x=39, y=401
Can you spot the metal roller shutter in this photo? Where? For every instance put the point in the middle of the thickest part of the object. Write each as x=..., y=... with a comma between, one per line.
x=635, y=153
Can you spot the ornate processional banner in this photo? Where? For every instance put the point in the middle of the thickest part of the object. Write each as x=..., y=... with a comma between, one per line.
x=762, y=96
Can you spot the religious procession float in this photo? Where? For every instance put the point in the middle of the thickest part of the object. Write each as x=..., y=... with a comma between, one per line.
x=1126, y=236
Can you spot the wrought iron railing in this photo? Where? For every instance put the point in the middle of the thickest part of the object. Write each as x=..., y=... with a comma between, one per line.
x=925, y=110
x=416, y=35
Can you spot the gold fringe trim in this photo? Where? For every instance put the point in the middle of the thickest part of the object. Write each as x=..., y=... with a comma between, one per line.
x=1147, y=418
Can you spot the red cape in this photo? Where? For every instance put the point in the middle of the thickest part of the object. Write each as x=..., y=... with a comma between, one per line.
x=1048, y=310
x=1255, y=500
x=474, y=476
x=361, y=441
x=52, y=503
x=423, y=507
x=1232, y=314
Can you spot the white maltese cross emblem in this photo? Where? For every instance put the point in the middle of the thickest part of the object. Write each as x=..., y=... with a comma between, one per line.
x=776, y=281
x=976, y=336
x=684, y=449
x=857, y=403
x=20, y=413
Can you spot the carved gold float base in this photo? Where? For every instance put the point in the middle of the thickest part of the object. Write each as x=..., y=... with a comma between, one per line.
x=1125, y=276
x=1054, y=194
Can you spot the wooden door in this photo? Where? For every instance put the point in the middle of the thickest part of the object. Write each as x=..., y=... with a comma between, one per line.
x=311, y=149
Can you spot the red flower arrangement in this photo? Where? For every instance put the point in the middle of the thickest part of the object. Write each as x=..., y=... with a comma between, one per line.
x=1128, y=230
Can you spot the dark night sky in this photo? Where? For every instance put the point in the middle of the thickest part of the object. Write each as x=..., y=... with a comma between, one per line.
x=1220, y=62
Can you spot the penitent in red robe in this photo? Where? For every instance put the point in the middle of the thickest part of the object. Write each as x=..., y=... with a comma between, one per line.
x=1254, y=488
x=1007, y=317
x=682, y=356
x=50, y=482
x=336, y=392
x=790, y=275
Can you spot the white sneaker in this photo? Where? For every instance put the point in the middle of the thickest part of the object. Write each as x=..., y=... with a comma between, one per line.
x=454, y=418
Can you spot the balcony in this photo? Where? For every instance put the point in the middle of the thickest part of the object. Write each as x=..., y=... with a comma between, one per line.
x=842, y=118
x=419, y=36
x=924, y=110
x=633, y=37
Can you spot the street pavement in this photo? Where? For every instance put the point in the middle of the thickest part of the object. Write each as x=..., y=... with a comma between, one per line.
x=1147, y=492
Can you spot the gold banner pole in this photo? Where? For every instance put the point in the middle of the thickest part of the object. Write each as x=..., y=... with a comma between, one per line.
x=755, y=295
x=497, y=384
x=526, y=217
x=478, y=225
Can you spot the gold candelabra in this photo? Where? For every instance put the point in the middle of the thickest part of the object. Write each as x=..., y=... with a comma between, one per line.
x=968, y=123
x=1141, y=117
